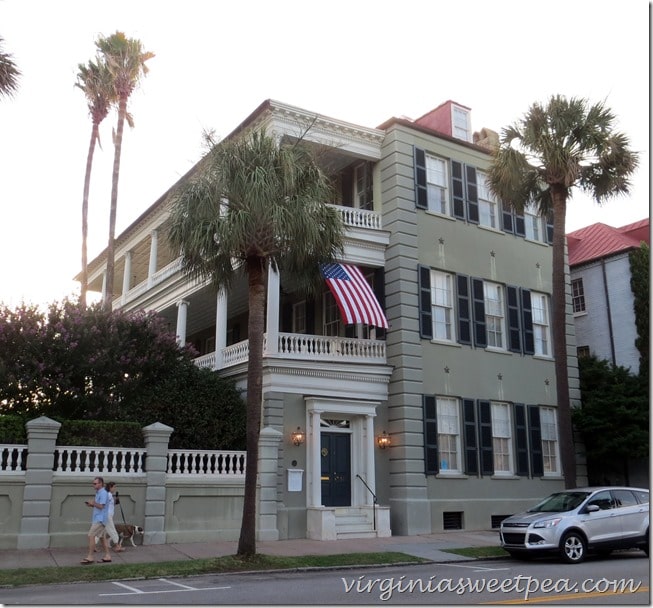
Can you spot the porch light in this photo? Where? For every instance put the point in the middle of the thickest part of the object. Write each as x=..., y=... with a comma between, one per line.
x=298, y=437
x=383, y=440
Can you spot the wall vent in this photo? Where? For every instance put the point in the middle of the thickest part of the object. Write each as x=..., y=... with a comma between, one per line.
x=452, y=520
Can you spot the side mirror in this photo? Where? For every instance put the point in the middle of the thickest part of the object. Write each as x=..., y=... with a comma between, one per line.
x=592, y=508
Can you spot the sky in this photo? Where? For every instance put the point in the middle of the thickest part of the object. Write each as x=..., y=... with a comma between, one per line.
x=362, y=61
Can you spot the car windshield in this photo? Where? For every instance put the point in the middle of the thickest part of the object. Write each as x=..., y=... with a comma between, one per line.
x=560, y=502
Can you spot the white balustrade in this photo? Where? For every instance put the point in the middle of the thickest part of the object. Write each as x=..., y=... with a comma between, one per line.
x=202, y=462
x=359, y=218
x=13, y=458
x=99, y=460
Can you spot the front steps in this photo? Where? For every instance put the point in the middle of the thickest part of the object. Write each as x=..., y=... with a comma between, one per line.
x=353, y=522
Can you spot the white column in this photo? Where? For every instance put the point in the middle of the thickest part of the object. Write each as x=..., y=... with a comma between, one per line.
x=154, y=247
x=126, y=276
x=182, y=316
x=272, y=321
x=220, y=326
x=370, y=474
x=316, y=464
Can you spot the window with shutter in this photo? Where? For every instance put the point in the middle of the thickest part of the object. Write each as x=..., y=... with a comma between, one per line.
x=549, y=436
x=458, y=190
x=448, y=435
x=501, y=439
x=430, y=435
x=471, y=189
x=470, y=437
x=521, y=440
x=464, y=310
x=478, y=306
x=419, y=162
x=485, y=437
x=425, y=312
x=535, y=441
x=514, y=326
x=527, y=322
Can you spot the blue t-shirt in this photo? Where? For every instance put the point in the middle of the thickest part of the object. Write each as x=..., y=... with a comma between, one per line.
x=100, y=513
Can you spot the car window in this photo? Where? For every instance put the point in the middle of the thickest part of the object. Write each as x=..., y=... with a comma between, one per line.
x=624, y=498
x=603, y=500
x=559, y=502
x=641, y=495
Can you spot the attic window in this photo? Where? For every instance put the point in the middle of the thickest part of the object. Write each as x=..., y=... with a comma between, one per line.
x=461, y=123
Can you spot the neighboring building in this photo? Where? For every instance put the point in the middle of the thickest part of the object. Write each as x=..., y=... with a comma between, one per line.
x=462, y=383
x=602, y=297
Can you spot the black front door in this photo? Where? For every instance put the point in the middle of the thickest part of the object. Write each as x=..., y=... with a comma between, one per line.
x=336, y=469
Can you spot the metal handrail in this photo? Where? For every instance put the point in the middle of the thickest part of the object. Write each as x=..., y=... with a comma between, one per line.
x=373, y=500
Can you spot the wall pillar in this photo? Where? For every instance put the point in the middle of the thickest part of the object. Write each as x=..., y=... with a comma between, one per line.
x=126, y=276
x=220, y=327
x=35, y=522
x=269, y=441
x=157, y=437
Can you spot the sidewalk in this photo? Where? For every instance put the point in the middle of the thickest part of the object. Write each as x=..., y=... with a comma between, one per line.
x=428, y=546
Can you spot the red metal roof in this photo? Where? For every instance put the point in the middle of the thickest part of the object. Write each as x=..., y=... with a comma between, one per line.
x=599, y=240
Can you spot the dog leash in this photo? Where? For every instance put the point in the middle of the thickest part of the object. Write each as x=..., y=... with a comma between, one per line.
x=121, y=511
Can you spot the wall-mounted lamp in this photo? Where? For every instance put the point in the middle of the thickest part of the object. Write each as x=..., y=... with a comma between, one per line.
x=383, y=440
x=298, y=437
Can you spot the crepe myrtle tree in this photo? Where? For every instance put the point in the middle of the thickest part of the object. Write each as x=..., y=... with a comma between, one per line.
x=255, y=203
x=556, y=147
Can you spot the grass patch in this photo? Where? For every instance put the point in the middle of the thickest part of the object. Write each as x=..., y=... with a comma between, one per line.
x=72, y=574
x=478, y=552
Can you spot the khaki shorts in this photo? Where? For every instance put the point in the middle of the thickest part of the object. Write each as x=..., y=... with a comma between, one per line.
x=97, y=529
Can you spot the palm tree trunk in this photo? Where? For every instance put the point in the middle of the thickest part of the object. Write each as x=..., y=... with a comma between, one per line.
x=567, y=452
x=257, y=290
x=87, y=188
x=111, y=251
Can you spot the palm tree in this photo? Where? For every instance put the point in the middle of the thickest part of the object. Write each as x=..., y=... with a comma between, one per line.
x=9, y=73
x=95, y=81
x=125, y=60
x=255, y=204
x=555, y=147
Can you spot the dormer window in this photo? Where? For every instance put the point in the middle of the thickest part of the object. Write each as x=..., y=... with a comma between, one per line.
x=460, y=121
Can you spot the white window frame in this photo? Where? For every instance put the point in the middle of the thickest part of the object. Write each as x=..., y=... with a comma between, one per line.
x=533, y=224
x=437, y=185
x=448, y=421
x=502, y=439
x=443, y=313
x=541, y=324
x=578, y=295
x=460, y=123
x=495, y=315
x=550, y=443
x=488, y=206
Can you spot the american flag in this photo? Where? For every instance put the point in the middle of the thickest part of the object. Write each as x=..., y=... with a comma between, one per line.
x=353, y=294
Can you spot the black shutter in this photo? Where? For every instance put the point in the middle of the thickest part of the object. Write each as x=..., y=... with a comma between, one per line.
x=431, y=459
x=464, y=310
x=514, y=326
x=425, y=309
x=485, y=437
x=472, y=194
x=506, y=214
x=478, y=299
x=470, y=438
x=521, y=440
x=527, y=322
x=458, y=190
x=520, y=225
x=535, y=436
x=421, y=198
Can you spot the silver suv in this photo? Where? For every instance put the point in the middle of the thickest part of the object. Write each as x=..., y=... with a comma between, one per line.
x=573, y=522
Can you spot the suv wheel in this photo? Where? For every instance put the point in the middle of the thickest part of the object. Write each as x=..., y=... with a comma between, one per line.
x=573, y=548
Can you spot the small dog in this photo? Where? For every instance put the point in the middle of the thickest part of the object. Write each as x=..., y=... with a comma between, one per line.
x=127, y=532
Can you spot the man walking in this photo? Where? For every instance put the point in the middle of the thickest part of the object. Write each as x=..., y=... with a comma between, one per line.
x=100, y=506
